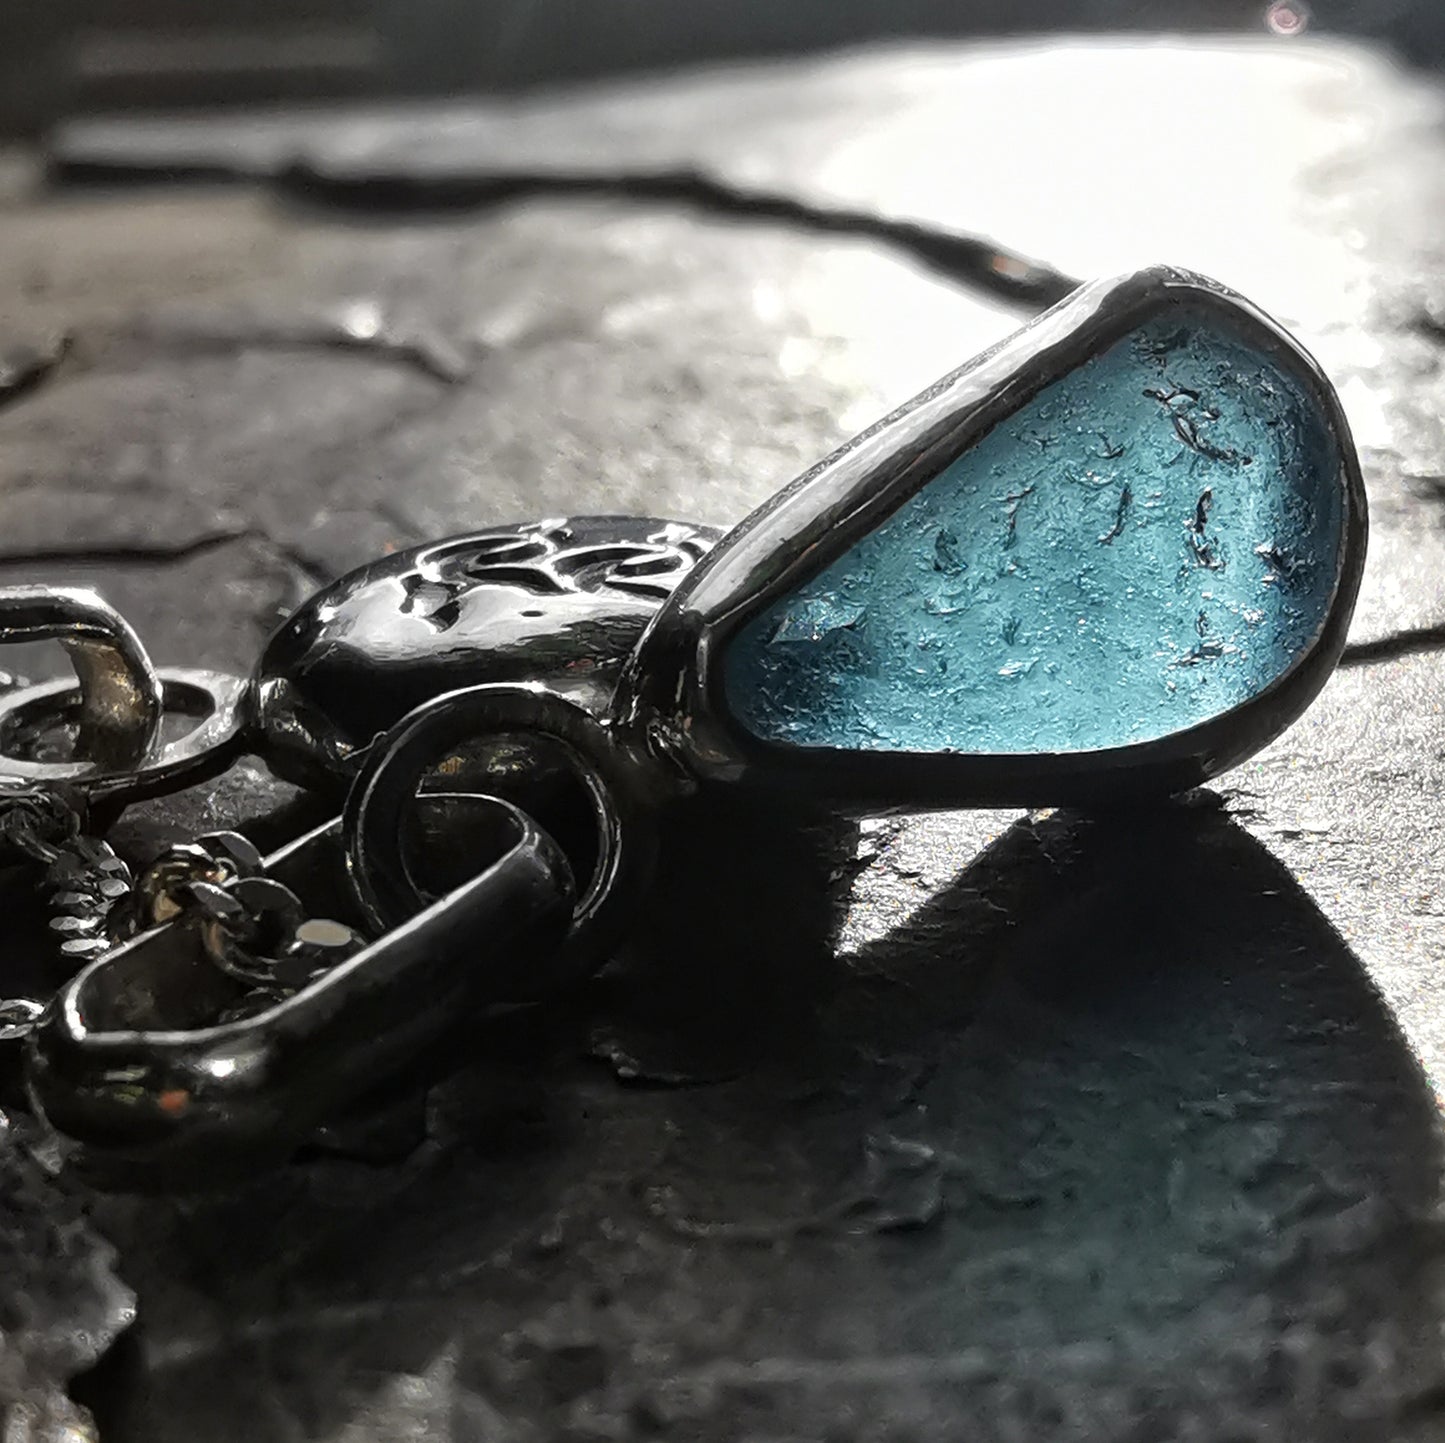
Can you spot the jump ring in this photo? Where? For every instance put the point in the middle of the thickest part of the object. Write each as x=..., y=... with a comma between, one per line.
x=389, y=779
x=215, y=701
x=118, y=699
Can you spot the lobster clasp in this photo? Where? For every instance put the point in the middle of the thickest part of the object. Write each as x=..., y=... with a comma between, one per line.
x=148, y=1063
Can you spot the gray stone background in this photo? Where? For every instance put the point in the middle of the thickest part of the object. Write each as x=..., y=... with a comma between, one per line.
x=1111, y=1129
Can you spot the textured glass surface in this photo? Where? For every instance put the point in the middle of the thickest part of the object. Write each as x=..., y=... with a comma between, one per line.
x=1146, y=544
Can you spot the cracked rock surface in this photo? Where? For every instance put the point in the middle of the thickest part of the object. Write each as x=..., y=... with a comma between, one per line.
x=1005, y=1127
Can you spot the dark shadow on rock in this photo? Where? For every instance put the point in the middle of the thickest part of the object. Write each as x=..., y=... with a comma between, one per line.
x=733, y=952
x=1113, y=1132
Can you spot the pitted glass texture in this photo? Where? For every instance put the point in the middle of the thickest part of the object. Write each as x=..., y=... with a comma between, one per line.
x=1149, y=542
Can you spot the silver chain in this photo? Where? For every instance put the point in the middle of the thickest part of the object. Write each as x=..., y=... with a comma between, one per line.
x=17, y=1016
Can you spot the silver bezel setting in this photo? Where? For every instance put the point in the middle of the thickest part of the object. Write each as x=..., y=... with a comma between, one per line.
x=669, y=702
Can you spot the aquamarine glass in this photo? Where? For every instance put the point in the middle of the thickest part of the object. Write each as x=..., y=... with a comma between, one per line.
x=1148, y=543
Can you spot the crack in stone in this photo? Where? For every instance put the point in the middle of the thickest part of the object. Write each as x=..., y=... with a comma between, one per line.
x=1425, y=323
x=26, y=367
x=359, y=326
x=966, y=259
x=163, y=554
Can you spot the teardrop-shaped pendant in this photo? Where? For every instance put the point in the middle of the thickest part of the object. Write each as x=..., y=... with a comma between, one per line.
x=1118, y=552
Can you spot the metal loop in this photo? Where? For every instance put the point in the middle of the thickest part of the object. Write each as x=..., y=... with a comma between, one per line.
x=214, y=857
x=387, y=785
x=214, y=700
x=118, y=698
x=161, y=1075
x=248, y=926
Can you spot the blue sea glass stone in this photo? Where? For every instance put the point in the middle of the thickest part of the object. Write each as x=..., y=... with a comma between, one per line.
x=1149, y=542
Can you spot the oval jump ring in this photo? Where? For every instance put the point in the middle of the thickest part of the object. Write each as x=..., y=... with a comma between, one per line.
x=118, y=693
x=215, y=700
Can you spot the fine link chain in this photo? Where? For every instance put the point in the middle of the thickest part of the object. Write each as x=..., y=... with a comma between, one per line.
x=18, y=1015
x=251, y=927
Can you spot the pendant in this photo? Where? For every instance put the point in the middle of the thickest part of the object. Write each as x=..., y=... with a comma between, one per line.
x=1104, y=561
x=1114, y=556
x=1107, y=559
